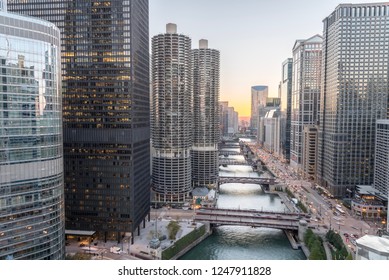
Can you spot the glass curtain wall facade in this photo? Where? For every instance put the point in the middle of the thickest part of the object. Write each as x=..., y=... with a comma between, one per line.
x=259, y=95
x=285, y=108
x=32, y=216
x=172, y=121
x=105, y=71
x=355, y=94
x=206, y=133
x=307, y=56
x=381, y=161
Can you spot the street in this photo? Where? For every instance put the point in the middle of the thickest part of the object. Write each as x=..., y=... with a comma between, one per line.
x=321, y=207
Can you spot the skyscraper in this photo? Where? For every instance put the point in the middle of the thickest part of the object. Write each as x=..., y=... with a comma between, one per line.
x=307, y=55
x=223, y=116
x=259, y=95
x=309, y=151
x=381, y=159
x=271, y=103
x=285, y=108
x=172, y=122
x=271, y=124
x=32, y=217
x=105, y=72
x=354, y=95
x=206, y=133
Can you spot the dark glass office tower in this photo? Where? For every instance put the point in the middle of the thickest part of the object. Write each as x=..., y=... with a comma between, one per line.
x=105, y=71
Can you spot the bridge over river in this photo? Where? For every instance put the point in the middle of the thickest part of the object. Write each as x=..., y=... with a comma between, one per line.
x=253, y=218
x=227, y=161
x=247, y=180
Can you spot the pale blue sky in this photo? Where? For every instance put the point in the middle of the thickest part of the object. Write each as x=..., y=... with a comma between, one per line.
x=254, y=36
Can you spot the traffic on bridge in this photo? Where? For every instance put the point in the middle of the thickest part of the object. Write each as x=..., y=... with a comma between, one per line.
x=253, y=218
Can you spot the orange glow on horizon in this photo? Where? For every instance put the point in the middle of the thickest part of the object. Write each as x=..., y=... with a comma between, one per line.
x=242, y=106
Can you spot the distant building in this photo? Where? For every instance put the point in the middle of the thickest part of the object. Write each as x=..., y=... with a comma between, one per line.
x=259, y=95
x=233, y=121
x=306, y=86
x=32, y=213
x=370, y=247
x=223, y=116
x=271, y=124
x=354, y=94
x=206, y=132
x=286, y=105
x=172, y=119
x=272, y=103
x=229, y=119
x=309, y=151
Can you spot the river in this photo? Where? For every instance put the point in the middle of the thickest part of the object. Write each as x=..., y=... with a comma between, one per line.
x=239, y=242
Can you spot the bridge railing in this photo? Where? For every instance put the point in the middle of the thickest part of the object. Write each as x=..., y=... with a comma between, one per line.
x=290, y=226
x=252, y=211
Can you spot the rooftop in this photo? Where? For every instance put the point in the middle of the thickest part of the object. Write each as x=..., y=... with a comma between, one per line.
x=259, y=88
x=376, y=243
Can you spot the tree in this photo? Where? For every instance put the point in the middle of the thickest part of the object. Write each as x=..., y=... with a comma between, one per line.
x=173, y=227
x=317, y=251
x=308, y=235
x=78, y=256
x=343, y=252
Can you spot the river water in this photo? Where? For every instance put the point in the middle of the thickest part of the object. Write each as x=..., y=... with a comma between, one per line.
x=240, y=242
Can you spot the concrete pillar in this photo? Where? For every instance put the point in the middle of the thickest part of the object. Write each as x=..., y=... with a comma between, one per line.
x=302, y=229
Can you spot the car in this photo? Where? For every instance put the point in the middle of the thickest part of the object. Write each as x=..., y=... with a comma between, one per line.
x=345, y=234
x=115, y=250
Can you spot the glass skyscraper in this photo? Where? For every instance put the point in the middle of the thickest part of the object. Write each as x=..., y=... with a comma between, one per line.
x=32, y=216
x=307, y=56
x=259, y=95
x=105, y=72
x=285, y=108
x=206, y=133
x=172, y=121
x=354, y=94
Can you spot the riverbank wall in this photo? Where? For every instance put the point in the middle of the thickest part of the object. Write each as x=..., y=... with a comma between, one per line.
x=186, y=243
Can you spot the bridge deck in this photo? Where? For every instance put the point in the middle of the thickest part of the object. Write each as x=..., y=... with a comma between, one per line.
x=247, y=180
x=253, y=218
x=232, y=162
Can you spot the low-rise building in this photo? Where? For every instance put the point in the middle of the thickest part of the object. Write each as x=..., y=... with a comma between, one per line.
x=369, y=203
x=370, y=247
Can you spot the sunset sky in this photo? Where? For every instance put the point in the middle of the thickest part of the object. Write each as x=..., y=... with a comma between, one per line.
x=254, y=36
